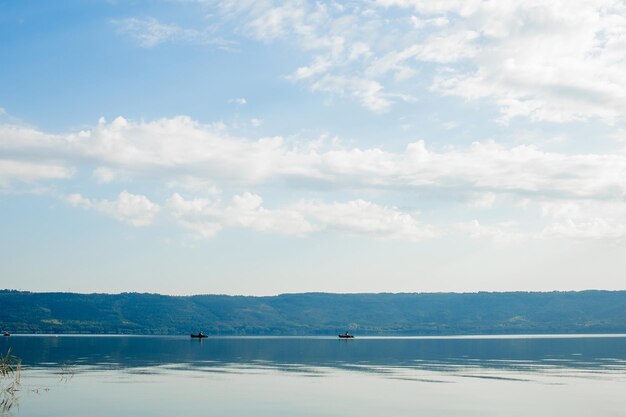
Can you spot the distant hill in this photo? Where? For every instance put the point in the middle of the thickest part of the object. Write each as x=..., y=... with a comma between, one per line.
x=316, y=313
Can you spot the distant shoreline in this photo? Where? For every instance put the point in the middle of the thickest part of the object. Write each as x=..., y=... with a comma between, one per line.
x=561, y=291
x=368, y=337
x=434, y=315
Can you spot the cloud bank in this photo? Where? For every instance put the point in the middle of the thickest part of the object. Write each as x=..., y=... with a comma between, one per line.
x=181, y=148
x=579, y=195
x=553, y=61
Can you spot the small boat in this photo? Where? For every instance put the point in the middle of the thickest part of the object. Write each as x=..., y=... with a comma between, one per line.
x=346, y=335
x=6, y=334
x=199, y=336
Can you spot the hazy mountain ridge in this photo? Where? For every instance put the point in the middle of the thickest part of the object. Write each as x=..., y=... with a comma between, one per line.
x=316, y=313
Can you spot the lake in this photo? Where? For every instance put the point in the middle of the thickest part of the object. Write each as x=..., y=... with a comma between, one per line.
x=313, y=376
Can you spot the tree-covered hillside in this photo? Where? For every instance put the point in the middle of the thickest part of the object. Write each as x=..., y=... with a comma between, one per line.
x=316, y=313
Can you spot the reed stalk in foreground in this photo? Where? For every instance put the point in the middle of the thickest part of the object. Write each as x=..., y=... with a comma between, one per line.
x=10, y=367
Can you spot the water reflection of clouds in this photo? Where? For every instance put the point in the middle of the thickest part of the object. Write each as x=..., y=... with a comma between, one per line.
x=313, y=377
x=546, y=372
x=467, y=368
x=419, y=359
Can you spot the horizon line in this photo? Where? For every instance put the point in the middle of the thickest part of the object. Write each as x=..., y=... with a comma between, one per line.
x=6, y=290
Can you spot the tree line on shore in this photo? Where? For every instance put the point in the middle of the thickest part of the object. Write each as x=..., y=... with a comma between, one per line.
x=316, y=313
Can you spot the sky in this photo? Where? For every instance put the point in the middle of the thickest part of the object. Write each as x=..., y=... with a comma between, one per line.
x=265, y=147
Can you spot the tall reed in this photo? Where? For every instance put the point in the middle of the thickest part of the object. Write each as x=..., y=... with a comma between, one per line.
x=10, y=367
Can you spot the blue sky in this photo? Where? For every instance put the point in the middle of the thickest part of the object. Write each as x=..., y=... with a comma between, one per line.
x=265, y=147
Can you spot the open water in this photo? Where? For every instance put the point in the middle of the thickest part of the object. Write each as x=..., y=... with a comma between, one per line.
x=311, y=376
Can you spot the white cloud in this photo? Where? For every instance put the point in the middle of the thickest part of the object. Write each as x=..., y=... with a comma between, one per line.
x=506, y=232
x=358, y=217
x=549, y=61
x=319, y=66
x=585, y=219
x=368, y=92
x=179, y=153
x=30, y=172
x=133, y=209
x=555, y=61
x=184, y=151
x=240, y=100
x=150, y=32
x=338, y=39
x=482, y=200
x=78, y=200
x=419, y=23
x=104, y=175
x=244, y=211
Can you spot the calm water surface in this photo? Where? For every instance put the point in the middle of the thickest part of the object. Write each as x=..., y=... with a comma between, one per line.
x=176, y=376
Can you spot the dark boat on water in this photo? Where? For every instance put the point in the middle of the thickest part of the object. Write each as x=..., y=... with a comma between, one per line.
x=346, y=335
x=6, y=334
x=199, y=336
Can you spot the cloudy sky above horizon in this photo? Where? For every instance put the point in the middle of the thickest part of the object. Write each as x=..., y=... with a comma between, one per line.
x=263, y=147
